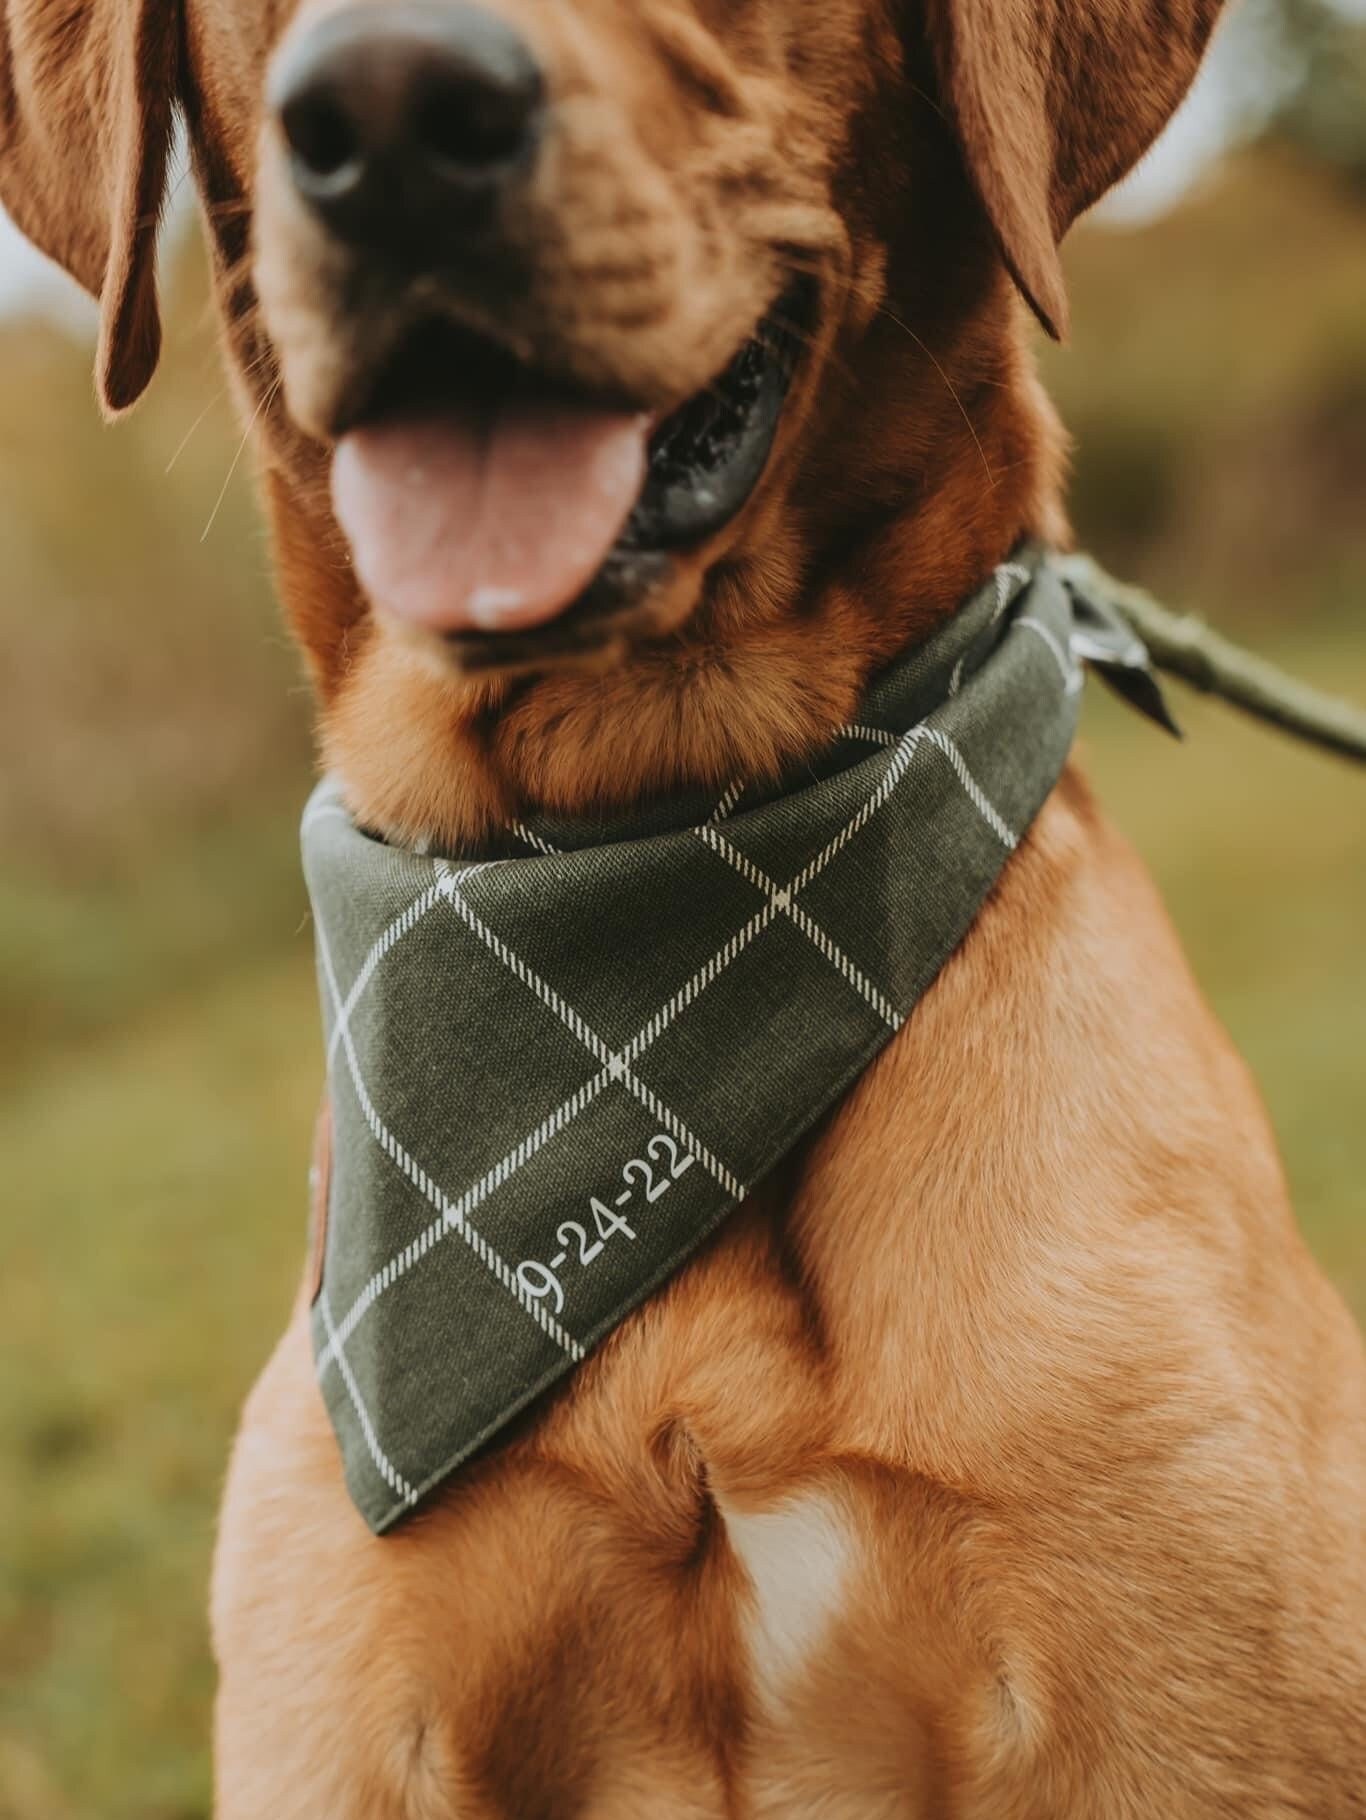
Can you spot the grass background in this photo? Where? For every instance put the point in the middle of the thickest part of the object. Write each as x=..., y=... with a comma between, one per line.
x=160, y=1065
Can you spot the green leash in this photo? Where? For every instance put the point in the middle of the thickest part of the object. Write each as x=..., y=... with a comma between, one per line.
x=1186, y=647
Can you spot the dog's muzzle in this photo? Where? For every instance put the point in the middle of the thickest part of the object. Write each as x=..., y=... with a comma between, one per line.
x=488, y=500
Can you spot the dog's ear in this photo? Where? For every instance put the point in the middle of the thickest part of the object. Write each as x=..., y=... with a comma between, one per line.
x=87, y=106
x=1053, y=101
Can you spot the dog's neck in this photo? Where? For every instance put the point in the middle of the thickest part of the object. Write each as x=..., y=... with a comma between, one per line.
x=926, y=467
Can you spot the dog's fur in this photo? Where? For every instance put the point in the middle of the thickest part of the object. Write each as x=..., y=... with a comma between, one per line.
x=1006, y=1454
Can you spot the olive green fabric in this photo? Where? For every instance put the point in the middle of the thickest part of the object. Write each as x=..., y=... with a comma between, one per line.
x=557, y=1063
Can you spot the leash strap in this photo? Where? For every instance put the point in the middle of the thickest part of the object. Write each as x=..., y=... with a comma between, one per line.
x=1186, y=647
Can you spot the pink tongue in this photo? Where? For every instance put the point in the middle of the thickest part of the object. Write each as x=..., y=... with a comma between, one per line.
x=461, y=524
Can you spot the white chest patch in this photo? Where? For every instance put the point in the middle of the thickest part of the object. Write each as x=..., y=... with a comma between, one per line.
x=799, y=1556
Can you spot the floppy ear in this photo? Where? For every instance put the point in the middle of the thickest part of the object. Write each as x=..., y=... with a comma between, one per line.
x=87, y=103
x=1053, y=101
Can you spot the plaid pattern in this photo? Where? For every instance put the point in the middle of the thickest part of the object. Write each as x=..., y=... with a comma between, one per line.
x=556, y=1065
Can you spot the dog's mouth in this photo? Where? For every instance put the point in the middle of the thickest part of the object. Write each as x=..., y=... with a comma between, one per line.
x=514, y=518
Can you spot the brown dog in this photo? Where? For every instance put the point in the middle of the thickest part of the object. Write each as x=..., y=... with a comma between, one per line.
x=1006, y=1455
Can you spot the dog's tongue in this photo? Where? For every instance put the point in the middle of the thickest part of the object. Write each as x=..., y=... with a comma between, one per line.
x=488, y=523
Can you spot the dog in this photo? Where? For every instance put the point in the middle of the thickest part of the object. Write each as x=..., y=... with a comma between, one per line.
x=1004, y=1454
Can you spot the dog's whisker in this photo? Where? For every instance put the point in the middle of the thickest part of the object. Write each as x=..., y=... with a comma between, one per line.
x=953, y=391
x=186, y=439
x=263, y=403
x=250, y=369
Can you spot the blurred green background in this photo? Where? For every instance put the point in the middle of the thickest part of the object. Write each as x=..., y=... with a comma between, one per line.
x=160, y=1066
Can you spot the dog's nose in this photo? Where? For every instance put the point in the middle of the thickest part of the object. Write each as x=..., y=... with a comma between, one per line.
x=404, y=121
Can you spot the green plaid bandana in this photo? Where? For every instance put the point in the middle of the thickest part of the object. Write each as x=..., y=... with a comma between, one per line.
x=557, y=1063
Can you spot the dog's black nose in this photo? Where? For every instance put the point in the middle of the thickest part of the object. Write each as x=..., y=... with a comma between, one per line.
x=404, y=121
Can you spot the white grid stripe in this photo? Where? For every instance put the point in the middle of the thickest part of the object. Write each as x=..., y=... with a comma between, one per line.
x=1071, y=673
x=667, y=1117
x=1008, y=572
x=616, y=1066
x=734, y=791
x=782, y=900
x=402, y=923
x=448, y=884
x=699, y=982
x=383, y=1465
x=564, y=1115
x=891, y=777
x=402, y=1262
x=531, y=838
x=976, y=795
x=872, y=736
x=417, y=1175
x=1016, y=572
